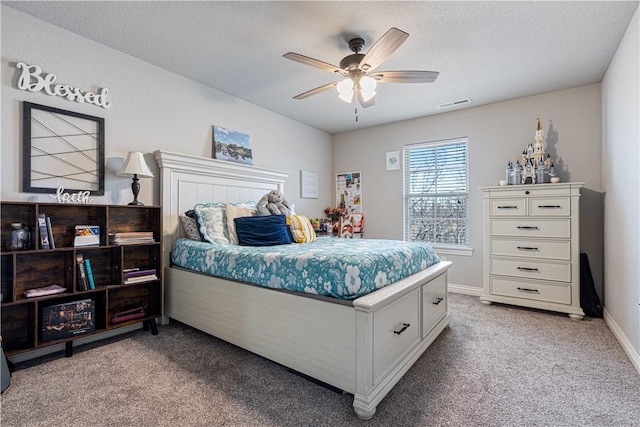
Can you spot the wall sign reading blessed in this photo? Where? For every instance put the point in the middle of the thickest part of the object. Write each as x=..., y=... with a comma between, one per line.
x=31, y=79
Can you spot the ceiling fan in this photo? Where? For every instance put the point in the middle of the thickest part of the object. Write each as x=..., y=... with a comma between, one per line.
x=357, y=68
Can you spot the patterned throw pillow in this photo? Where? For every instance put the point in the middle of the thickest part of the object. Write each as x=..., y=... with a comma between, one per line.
x=190, y=227
x=301, y=229
x=212, y=222
x=234, y=212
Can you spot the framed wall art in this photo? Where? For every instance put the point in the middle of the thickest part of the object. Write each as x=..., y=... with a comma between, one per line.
x=61, y=149
x=232, y=146
x=393, y=160
x=309, y=185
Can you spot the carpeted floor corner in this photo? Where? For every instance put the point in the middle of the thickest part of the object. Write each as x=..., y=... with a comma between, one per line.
x=493, y=366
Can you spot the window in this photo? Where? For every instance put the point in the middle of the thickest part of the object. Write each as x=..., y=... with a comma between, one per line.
x=436, y=193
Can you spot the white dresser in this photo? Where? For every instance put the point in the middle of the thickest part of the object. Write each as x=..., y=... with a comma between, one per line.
x=532, y=246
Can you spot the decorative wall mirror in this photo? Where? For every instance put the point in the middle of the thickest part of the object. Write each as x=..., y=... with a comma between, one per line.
x=61, y=149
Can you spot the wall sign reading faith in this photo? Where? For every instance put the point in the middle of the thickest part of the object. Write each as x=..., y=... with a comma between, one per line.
x=31, y=79
x=81, y=197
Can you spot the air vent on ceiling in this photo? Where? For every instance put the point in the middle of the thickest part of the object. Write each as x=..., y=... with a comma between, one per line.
x=454, y=103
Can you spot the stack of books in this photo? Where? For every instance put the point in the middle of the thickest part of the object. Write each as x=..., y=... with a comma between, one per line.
x=131, y=237
x=136, y=275
x=87, y=235
x=134, y=313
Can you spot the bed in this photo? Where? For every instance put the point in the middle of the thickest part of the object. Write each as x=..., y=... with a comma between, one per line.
x=362, y=346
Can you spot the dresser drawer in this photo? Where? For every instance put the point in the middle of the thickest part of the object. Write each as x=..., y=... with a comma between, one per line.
x=551, y=249
x=525, y=227
x=434, y=303
x=550, y=206
x=537, y=190
x=395, y=331
x=559, y=293
x=531, y=269
x=513, y=207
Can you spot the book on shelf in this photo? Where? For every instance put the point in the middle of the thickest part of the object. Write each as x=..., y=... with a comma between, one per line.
x=52, y=242
x=131, y=237
x=138, y=273
x=89, y=271
x=47, y=290
x=124, y=316
x=68, y=319
x=83, y=283
x=135, y=275
x=139, y=279
x=87, y=235
x=44, y=233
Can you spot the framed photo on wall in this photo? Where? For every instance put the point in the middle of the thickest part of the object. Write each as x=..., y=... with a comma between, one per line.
x=61, y=149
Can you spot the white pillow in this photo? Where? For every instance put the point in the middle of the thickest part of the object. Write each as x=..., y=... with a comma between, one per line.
x=233, y=212
x=212, y=222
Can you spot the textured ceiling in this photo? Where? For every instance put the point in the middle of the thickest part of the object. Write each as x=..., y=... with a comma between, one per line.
x=486, y=51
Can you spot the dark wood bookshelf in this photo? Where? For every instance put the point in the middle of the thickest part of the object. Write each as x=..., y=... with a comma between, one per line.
x=33, y=267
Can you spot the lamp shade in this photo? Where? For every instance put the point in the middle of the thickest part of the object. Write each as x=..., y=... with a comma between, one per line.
x=134, y=164
x=368, y=87
x=345, y=90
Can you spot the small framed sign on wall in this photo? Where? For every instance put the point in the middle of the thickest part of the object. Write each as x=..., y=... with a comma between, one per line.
x=61, y=149
x=309, y=185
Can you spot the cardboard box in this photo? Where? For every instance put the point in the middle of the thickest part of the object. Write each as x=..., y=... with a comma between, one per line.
x=68, y=320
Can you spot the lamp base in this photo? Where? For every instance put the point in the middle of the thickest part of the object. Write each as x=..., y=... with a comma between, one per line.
x=135, y=188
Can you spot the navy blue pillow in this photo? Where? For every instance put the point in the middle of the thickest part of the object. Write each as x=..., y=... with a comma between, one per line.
x=262, y=230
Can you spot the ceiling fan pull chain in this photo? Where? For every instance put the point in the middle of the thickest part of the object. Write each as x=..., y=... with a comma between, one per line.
x=356, y=111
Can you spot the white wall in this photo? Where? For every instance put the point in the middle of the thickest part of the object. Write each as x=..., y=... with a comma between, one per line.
x=497, y=133
x=621, y=166
x=151, y=109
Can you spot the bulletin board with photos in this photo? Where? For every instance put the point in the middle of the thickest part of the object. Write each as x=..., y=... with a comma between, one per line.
x=349, y=191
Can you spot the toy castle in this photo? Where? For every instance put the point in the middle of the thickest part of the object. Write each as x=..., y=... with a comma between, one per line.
x=533, y=166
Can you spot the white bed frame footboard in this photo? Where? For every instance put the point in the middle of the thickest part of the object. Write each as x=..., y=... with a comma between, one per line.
x=363, y=348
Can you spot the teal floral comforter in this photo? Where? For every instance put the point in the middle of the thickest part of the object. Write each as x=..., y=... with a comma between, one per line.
x=340, y=268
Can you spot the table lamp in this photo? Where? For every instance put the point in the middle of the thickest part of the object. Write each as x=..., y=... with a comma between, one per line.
x=135, y=166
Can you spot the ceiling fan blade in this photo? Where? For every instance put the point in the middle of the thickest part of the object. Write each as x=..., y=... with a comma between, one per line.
x=314, y=63
x=365, y=104
x=383, y=48
x=315, y=91
x=405, y=76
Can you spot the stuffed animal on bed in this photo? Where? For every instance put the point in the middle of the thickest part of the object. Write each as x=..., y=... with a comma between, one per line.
x=274, y=203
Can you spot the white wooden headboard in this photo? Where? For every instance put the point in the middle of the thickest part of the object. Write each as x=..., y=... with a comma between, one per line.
x=188, y=180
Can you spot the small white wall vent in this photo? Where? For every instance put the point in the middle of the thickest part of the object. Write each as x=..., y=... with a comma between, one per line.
x=454, y=103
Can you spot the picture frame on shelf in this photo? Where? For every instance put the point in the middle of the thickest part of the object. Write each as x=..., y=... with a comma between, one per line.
x=62, y=149
x=231, y=146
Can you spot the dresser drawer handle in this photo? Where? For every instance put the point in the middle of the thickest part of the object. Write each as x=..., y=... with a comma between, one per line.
x=527, y=248
x=404, y=328
x=531, y=291
x=549, y=206
x=507, y=207
x=527, y=227
x=528, y=269
x=437, y=301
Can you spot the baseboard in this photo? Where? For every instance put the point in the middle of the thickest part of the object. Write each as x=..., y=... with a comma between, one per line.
x=464, y=289
x=61, y=347
x=622, y=339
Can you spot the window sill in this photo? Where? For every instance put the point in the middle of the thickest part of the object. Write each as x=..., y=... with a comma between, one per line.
x=449, y=250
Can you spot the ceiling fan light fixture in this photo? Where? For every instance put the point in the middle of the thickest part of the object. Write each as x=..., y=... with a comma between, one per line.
x=367, y=87
x=345, y=90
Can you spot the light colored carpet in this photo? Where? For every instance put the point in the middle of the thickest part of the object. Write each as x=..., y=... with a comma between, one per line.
x=494, y=366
